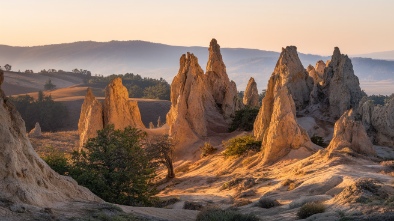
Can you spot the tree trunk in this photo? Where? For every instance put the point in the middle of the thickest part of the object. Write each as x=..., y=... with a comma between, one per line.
x=170, y=169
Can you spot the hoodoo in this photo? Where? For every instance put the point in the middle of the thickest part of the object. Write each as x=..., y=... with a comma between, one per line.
x=251, y=94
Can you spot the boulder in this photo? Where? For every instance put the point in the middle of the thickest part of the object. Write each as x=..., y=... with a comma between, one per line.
x=251, y=94
x=36, y=131
x=118, y=110
x=91, y=118
x=25, y=177
x=350, y=133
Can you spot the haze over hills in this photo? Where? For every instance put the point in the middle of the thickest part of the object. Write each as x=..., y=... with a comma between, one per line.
x=160, y=60
x=384, y=55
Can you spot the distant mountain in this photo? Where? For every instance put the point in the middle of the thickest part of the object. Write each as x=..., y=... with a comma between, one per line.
x=384, y=55
x=159, y=60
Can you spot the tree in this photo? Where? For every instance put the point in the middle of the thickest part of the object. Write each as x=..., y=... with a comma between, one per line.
x=161, y=151
x=115, y=167
x=48, y=85
x=7, y=67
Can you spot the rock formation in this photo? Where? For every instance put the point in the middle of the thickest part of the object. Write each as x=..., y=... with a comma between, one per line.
x=276, y=123
x=189, y=100
x=91, y=118
x=25, y=177
x=36, y=131
x=379, y=121
x=340, y=90
x=251, y=95
x=118, y=110
x=317, y=72
x=223, y=90
x=350, y=133
x=290, y=73
x=201, y=104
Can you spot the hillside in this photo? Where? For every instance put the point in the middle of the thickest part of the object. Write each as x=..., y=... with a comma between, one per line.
x=159, y=60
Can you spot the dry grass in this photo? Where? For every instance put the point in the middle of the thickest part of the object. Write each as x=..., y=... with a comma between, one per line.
x=65, y=141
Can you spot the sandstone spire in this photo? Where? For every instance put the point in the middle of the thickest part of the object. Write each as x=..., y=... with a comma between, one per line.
x=223, y=90
x=25, y=177
x=276, y=123
x=251, y=95
x=118, y=110
x=290, y=73
x=189, y=98
x=351, y=134
x=341, y=86
x=91, y=118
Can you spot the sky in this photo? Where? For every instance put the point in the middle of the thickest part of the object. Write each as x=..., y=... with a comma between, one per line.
x=314, y=26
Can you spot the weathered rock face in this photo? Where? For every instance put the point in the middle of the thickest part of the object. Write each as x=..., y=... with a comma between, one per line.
x=118, y=110
x=223, y=90
x=91, y=118
x=251, y=95
x=379, y=121
x=201, y=104
x=189, y=98
x=350, y=133
x=293, y=75
x=317, y=72
x=276, y=123
x=25, y=178
x=36, y=131
x=341, y=86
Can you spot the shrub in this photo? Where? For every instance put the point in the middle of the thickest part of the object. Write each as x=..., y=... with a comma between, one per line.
x=207, y=149
x=318, y=141
x=57, y=161
x=240, y=145
x=224, y=215
x=49, y=85
x=115, y=167
x=310, y=209
x=267, y=203
x=244, y=119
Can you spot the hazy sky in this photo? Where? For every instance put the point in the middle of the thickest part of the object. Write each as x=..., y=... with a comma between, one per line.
x=314, y=26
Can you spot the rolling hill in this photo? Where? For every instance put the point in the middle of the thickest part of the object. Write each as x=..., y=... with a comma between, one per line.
x=159, y=60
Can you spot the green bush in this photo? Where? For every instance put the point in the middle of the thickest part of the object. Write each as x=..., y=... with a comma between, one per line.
x=240, y=145
x=115, y=167
x=57, y=161
x=267, y=203
x=318, y=141
x=224, y=215
x=207, y=149
x=310, y=209
x=244, y=119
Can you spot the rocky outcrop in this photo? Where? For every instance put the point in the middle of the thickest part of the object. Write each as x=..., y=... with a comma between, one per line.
x=25, y=178
x=290, y=73
x=190, y=100
x=36, y=131
x=91, y=118
x=118, y=110
x=276, y=123
x=223, y=90
x=317, y=72
x=379, y=121
x=350, y=133
x=251, y=94
x=201, y=104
